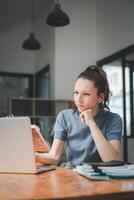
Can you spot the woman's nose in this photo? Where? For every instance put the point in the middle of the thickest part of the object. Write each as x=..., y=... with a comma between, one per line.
x=79, y=98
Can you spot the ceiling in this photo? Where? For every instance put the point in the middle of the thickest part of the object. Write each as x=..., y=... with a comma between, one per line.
x=16, y=12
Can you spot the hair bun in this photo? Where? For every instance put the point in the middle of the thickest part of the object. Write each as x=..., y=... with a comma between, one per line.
x=92, y=67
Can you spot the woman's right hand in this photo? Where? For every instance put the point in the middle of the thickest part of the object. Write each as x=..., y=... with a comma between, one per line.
x=39, y=157
x=40, y=145
x=45, y=158
x=35, y=128
x=53, y=156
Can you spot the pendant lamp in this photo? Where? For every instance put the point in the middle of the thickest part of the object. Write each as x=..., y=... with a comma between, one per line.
x=57, y=17
x=31, y=43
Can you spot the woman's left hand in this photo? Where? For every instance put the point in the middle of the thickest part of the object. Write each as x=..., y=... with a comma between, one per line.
x=87, y=117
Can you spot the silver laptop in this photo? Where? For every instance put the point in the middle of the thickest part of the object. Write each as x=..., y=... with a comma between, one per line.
x=16, y=147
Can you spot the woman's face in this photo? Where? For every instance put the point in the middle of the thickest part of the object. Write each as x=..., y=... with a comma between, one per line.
x=86, y=95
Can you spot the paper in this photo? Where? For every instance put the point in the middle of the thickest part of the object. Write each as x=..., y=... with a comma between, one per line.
x=125, y=171
x=87, y=171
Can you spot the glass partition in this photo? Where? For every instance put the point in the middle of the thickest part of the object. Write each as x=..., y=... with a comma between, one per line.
x=115, y=79
x=120, y=71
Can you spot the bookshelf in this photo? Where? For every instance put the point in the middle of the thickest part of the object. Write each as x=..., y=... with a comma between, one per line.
x=42, y=111
x=37, y=107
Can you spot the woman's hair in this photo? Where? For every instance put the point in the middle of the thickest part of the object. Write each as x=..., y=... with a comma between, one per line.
x=98, y=77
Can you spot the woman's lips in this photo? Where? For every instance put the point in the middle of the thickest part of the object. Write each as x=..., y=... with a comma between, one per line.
x=80, y=106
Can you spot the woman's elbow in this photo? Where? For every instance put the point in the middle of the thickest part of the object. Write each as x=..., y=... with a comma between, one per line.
x=56, y=159
x=114, y=156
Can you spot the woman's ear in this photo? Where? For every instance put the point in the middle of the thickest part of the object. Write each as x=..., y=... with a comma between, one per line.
x=101, y=98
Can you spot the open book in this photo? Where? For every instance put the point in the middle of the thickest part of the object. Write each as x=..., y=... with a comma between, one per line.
x=40, y=144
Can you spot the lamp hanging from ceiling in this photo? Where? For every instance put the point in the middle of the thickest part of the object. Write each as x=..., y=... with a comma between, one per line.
x=57, y=17
x=31, y=43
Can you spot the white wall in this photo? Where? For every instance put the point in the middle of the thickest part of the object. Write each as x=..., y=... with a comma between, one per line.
x=115, y=26
x=75, y=44
x=46, y=35
x=12, y=57
x=20, y=60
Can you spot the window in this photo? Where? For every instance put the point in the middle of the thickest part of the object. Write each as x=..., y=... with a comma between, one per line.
x=13, y=85
x=120, y=71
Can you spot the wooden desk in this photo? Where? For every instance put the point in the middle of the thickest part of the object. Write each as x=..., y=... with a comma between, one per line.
x=63, y=184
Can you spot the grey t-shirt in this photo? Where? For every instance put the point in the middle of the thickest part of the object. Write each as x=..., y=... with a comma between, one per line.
x=80, y=146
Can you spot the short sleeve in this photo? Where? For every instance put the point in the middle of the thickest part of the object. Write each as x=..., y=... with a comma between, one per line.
x=114, y=129
x=59, y=127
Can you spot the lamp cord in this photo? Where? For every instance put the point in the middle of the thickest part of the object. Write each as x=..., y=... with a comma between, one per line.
x=32, y=15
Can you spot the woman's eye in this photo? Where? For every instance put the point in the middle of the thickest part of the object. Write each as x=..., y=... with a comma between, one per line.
x=86, y=94
x=75, y=92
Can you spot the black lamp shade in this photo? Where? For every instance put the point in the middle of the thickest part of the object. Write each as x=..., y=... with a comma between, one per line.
x=31, y=43
x=57, y=17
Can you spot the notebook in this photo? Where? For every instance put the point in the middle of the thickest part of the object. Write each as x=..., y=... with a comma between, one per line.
x=87, y=170
x=106, y=170
x=17, y=148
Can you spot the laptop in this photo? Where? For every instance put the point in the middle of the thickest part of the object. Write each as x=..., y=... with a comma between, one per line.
x=16, y=147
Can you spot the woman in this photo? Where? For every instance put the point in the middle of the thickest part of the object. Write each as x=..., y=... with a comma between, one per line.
x=92, y=133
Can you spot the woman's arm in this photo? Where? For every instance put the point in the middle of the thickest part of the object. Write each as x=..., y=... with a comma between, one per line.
x=53, y=157
x=108, y=150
